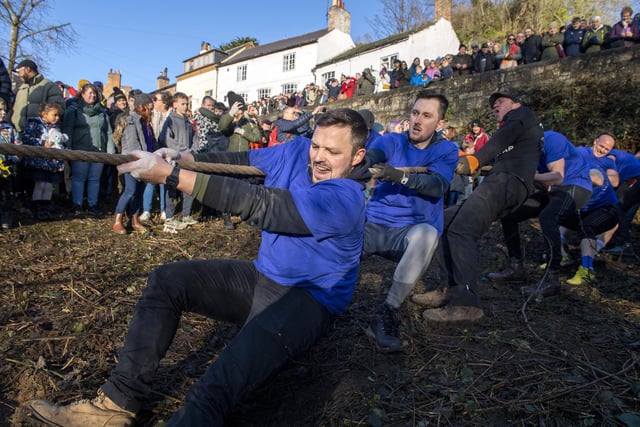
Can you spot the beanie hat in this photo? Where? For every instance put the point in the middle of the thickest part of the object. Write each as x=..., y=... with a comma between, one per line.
x=233, y=97
x=367, y=115
x=119, y=95
x=142, y=99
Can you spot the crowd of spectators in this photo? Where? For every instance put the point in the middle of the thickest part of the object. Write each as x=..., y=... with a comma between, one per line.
x=575, y=38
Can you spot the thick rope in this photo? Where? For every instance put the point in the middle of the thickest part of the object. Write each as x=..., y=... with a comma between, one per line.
x=118, y=159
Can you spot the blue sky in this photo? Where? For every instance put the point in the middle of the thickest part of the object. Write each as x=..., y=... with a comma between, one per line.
x=142, y=38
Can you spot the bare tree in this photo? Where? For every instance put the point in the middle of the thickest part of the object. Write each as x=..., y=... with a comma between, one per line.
x=398, y=16
x=30, y=32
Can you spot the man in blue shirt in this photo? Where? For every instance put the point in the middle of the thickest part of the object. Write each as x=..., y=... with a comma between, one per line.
x=628, y=192
x=405, y=212
x=312, y=216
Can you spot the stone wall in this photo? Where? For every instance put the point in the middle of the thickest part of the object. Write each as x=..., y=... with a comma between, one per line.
x=468, y=95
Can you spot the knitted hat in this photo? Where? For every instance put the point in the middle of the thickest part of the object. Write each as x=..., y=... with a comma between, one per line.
x=142, y=99
x=368, y=117
x=82, y=82
x=233, y=97
x=119, y=95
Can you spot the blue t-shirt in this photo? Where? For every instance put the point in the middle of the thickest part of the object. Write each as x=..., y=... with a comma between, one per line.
x=373, y=135
x=604, y=163
x=325, y=263
x=395, y=205
x=627, y=164
x=605, y=194
x=556, y=147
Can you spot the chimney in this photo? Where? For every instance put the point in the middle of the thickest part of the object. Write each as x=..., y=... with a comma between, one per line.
x=443, y=9
x=114, y=79
x=162, y=80
x=338, y=17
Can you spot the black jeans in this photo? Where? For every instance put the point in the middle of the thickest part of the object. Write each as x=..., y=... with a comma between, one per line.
x=279, y=323
x=590, y=224
x=497, y=195
x=551, y=208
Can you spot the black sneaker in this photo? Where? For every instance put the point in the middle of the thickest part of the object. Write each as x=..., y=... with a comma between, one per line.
x=228, y=223
x=514, y=272
x=93, y=210
x=384, y=329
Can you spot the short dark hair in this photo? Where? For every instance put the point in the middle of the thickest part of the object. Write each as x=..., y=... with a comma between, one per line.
x=430, y=94
x=343, y=117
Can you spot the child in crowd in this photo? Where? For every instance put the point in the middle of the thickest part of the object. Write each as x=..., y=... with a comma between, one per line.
x=44, y=131
x=8, y=135
x=177, y=133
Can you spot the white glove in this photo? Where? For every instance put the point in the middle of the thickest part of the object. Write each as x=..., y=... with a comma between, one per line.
x=169, y=154
x=239, y=131
x=149, y=167
x=234, y=108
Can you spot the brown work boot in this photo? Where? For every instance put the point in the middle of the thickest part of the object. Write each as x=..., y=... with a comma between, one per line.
x=98, y=412
x=549, y=286
x=514, y=273
x=453, y=313
x=431, y=299
x=118, y=226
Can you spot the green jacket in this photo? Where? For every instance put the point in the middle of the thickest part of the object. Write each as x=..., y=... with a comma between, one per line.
x=237, y=141
x=594, y=39
x=548, y=44
x=30, y=95
x=88, y=128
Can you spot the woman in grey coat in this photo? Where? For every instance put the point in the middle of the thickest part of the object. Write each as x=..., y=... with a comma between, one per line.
x=134, y=133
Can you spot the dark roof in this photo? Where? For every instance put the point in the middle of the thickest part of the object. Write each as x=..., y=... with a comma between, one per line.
x=365, y=47
x=277, y=46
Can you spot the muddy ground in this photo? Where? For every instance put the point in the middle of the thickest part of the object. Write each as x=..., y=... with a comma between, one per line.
x=68, y=288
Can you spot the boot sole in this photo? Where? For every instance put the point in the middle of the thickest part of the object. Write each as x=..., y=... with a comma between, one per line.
x=371, y=335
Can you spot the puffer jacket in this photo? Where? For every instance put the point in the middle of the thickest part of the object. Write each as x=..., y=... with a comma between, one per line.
x=88, y=128
x=30, y=95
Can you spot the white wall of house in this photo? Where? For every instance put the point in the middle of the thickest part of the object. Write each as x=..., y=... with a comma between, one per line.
x=436, y=40
x=196, y=87
x=266, y=72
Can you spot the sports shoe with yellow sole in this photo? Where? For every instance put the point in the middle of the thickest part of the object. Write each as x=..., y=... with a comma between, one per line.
x=582, y=276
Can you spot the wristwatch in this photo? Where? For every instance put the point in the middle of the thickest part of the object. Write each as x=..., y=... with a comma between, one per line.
x=405, y=179
x=173, y=179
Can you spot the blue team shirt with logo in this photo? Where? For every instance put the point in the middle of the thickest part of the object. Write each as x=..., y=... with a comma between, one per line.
x=325, y=263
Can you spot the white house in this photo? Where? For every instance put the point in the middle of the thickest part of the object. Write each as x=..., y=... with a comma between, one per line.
x=263, y=71
x=428, y=41
x=288, y=65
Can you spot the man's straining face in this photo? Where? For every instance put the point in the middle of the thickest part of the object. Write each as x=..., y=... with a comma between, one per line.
x=602, y=145
x=331, y=153
x=424, y=120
